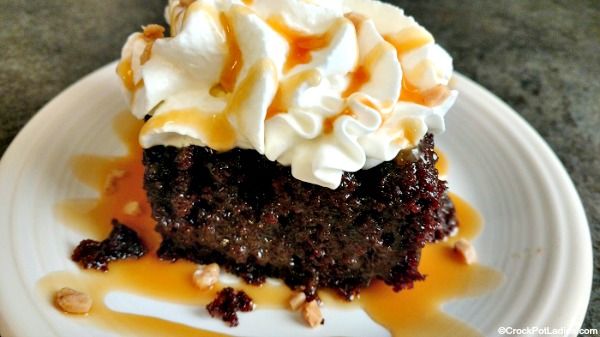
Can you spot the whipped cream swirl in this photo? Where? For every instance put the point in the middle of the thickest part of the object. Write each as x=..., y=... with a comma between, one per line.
x=325, y=87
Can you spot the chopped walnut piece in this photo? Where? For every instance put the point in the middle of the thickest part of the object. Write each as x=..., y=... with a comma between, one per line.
x=466, y=251
x=312, y=314
x=73, y=302
x=132, y=208
x=436, y=95
x=110, y=184
x=153, y=31
x=297, y=301
x=207, y=277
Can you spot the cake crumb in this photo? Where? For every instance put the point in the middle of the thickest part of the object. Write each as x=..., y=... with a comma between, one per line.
x=466, y=251
x=228, y=303
x=73, y=302
x=110, y=184
x=207, y=277
x=297, y=301
x=312, y=314
x=132, y=208
x=122, y=243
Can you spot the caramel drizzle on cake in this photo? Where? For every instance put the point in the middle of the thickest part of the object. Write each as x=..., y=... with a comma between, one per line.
x=301, y=44
x=234, y=60
x=150, y=34
x=328, y=122
x=357, y=79
x=301, y=48
x=409, y=39
x=215, y=127
x=126, y=74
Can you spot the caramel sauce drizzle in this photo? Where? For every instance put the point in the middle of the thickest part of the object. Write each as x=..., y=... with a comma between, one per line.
x=414, y=312
x=277, y=105
x=124, y=70
x=357, y=79
x=238, y=103
x=126, y=74
x=404, y=41
x=442, y=164
x=301, y=45
x=328, y=123
x=217, y=131
x=360, y=75
x=234, y=60
x=409, y=39
x=410, y=93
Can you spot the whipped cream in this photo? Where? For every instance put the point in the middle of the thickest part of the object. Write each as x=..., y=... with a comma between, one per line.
x=325, y=87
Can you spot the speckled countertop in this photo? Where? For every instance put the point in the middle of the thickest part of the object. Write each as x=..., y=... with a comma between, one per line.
x=541, y=56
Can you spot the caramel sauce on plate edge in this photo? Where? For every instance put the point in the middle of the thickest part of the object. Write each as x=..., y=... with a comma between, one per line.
x=414, y=312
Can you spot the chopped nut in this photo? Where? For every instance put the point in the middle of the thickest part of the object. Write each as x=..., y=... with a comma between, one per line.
x=207, y=277
x=151, y=34
x=436, y=95
x=73, y=301
x=153, y=31
x=466, y=250
x=297, y=301
x=132, y=208
x=312, y=314
x=110, y=184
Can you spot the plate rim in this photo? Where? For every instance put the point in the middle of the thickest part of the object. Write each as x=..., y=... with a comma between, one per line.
x=570, y=198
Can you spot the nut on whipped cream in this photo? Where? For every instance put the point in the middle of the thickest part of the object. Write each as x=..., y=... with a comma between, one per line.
x=325, y=87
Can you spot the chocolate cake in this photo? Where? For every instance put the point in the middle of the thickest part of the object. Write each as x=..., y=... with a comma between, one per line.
x=122, y=243
x=227, y=303
x=249, y=215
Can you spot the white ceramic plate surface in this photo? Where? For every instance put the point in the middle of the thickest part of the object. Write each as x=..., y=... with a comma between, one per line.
x=535, y=231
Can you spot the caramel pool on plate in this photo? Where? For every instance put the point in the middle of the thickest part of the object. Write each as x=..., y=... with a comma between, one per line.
x=119, y=181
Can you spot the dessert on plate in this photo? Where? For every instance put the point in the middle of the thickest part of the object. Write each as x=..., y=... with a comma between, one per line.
x=293, y=139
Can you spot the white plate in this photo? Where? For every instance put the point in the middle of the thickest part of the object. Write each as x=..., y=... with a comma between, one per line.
x=536, y=231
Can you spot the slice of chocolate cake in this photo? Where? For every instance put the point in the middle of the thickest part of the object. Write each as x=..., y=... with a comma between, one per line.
x=250, y=215
x=293, y=139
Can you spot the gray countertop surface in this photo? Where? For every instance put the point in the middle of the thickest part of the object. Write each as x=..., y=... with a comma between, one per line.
x=540, y=56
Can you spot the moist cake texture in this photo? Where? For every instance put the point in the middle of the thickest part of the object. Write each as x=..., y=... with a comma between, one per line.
x=249, y=215
x=227, y=303
x=122, y=243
